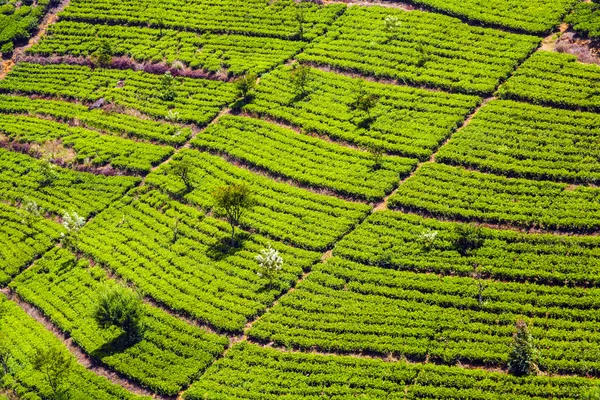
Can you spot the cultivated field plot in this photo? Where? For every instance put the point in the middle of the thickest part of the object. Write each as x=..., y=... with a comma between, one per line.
x=407, y=121
x=265, y=199
x=537, y=16
x=555, y=79
x=420, y=48
x=522, y=140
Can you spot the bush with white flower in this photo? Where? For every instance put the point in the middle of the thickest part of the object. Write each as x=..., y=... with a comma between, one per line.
x=73, y=223
x=270, y=262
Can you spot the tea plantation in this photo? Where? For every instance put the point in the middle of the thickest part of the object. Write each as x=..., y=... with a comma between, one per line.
x=293, y=199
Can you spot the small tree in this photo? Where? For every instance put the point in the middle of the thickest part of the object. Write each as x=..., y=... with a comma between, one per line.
x=364, y=102
x=376, y=151
x=73, y=223
x=166, y=88
x=245, y=86
x=481, y=284
x=423, y=56
x=270, y=263
x=182, y=168
x=524, y=356
x=300, y=18
x=234, y=201
x=102, y=57
x=55, y=364
x=123, y=308
x=300, y=77
x=468, y=238
x=5, y=355
x=175, y=231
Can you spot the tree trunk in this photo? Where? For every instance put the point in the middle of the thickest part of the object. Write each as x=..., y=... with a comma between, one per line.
x=232, y=235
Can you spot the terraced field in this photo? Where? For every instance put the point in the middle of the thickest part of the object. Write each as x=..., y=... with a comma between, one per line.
x=418, y=188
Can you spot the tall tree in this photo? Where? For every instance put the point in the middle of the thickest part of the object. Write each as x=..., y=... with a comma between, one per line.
x=55, y=364
x=234, y=201
x=524, y=356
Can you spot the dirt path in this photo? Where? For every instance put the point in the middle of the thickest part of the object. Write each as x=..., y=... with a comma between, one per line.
x=19, y=52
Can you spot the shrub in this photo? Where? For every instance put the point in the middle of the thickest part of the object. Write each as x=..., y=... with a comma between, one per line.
x=123, y=308
x=270, y=263
x=468, y=238
x=7, y=48
x=524, y=356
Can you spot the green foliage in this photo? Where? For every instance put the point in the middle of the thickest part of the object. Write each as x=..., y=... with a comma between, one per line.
x=24, y=338
x=197, y=271
x=81, y=192
x=324, y=164
x=168, y=357
x=244, y=17
x=585, y=19
x=524, y=356
x=123, y=308
x=310, y=375
x=111, y=123
x=166, y=88
x=520, y=140
x=238, y=54
x=5, y=356
x=234, y=201
x=460, y=57
x=407, y=121
x=103, y=55
x=55, y=365
x=301, y=76
x=426, y=316
x=555, y=79
x=24, y=235
x=468, y=239
x=293, y=215
x=17, y=24
x=182, y=169
x=536, y=16
x=245, y=86
x=413, y=243
x=7, y=48
x=195, y=100
x=89, y=145
x=364, y=102
x=453, y=192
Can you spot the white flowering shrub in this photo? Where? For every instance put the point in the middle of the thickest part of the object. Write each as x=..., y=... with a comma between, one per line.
x=427, y=238
x=32, y=212
x=73, y=223
x=270, y=263
x=392, y=24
